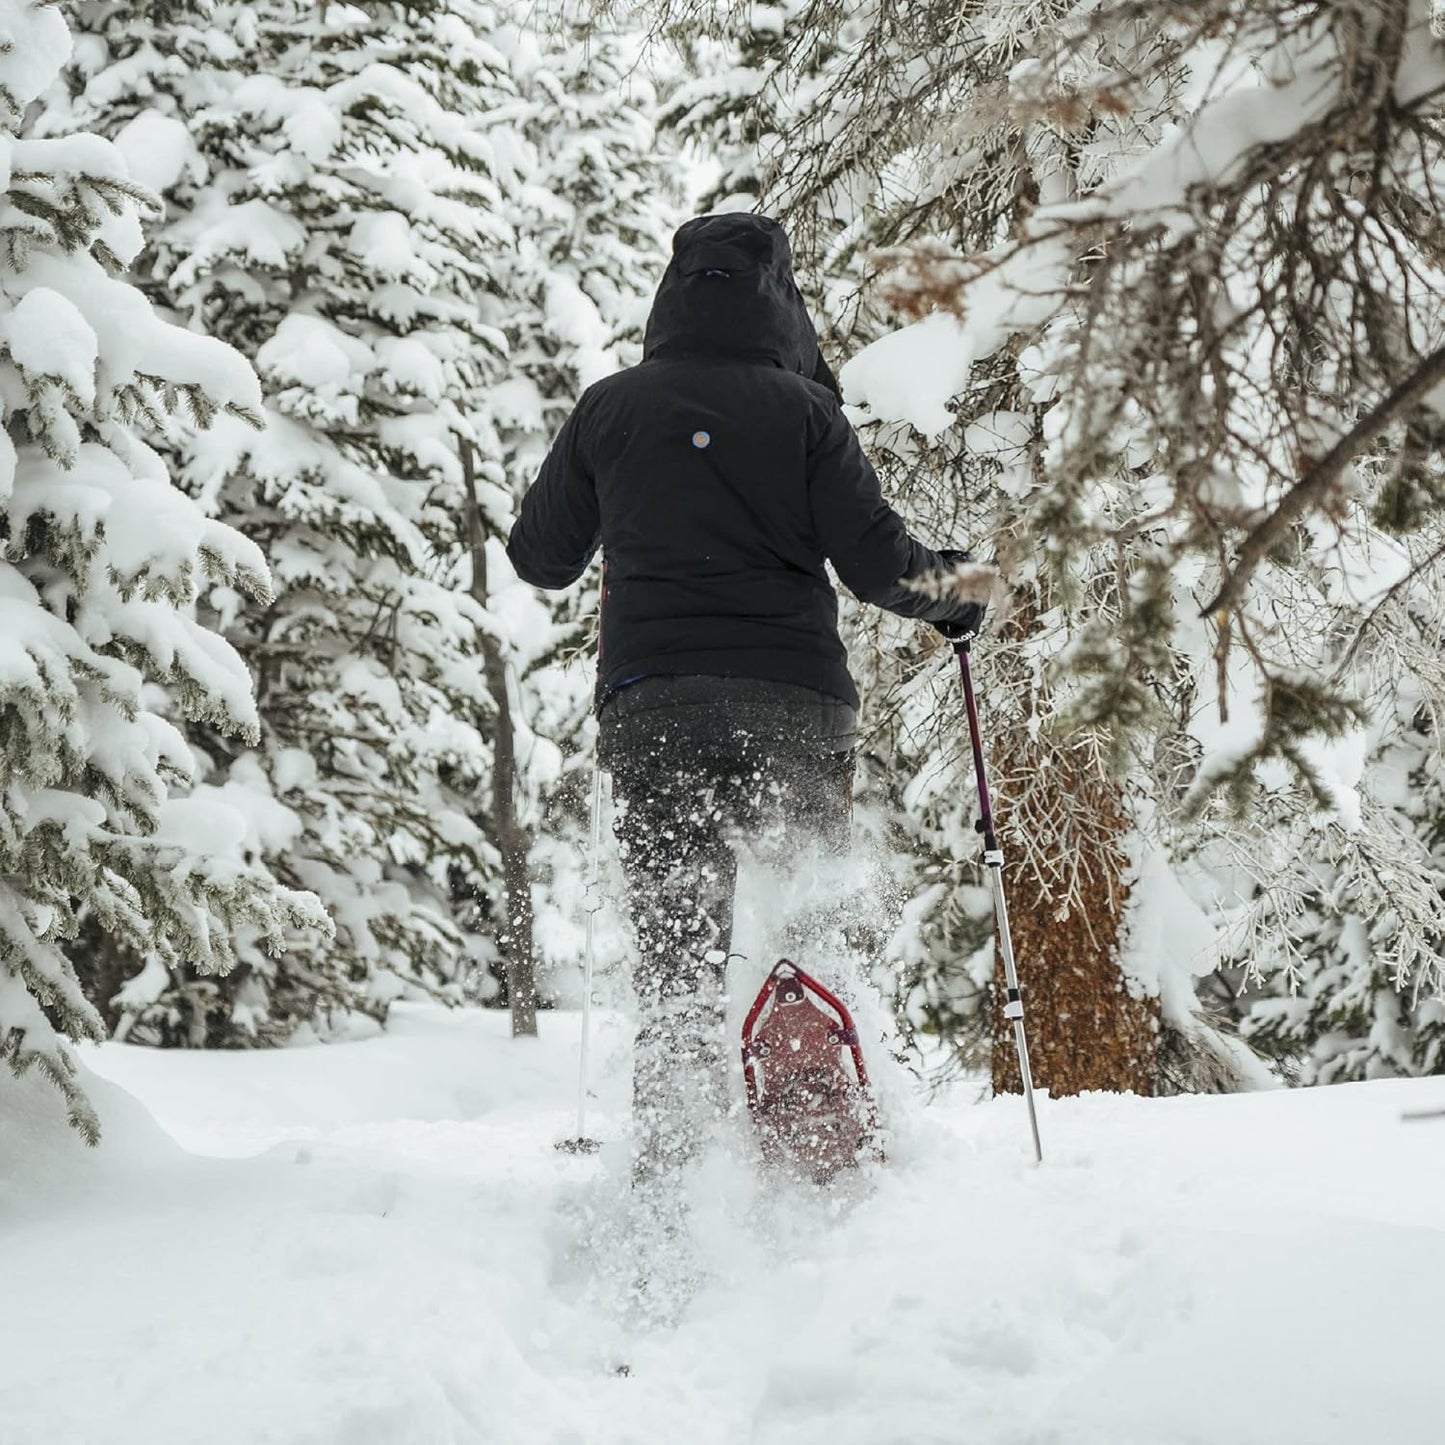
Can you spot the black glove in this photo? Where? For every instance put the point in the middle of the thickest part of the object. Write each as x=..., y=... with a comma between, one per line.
x=969, y=622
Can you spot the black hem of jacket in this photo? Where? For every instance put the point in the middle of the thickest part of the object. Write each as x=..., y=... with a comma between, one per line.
x=804, y=670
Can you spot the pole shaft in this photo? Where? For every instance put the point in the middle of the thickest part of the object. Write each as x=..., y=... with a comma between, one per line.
x=1011, y=977
x=589, y=951
x=993, y=858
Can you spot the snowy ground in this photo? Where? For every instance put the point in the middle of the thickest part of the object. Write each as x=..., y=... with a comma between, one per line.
x=376, y=1242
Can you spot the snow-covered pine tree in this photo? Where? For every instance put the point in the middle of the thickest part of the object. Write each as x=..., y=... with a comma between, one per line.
x=1349, y=953
x=333, y=213
x=102, y=561
x=1178, y=337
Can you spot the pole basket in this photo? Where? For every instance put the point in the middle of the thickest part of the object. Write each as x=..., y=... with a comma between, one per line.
x=579, y=1145
x=807, y=1084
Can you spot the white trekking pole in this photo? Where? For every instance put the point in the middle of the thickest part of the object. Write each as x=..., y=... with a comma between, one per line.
x=582, y=1144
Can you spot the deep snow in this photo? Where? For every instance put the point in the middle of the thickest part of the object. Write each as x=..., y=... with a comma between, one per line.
x=376, y=1242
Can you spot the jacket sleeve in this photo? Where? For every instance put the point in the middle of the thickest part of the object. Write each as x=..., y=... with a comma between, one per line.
x=557, y=533
x=862, y=536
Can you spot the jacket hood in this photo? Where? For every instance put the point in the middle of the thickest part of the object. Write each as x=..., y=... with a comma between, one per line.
x=729, y=291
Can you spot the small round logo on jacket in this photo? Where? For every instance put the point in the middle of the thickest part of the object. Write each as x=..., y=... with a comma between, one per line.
x=700, y=439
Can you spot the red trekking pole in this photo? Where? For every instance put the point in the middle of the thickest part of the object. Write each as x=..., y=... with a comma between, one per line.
x=993, y=859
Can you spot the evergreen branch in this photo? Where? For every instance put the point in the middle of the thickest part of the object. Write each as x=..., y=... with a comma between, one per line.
x=1325, y=474
x=1378, y=610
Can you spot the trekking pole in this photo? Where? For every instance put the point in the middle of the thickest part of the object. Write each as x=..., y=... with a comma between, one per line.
x=582, y=1144
x=993, y=858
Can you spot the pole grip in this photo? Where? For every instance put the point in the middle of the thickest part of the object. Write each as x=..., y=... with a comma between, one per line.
x=975, y=737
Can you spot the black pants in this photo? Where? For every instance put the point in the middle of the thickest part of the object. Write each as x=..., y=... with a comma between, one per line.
x=698, y=765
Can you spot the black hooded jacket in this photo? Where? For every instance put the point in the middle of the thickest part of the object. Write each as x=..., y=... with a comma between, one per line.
x=717, y=476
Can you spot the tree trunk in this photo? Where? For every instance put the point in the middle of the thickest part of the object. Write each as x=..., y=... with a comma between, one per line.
x=1064, y=865
x=1085, y=1030
x=507, y=830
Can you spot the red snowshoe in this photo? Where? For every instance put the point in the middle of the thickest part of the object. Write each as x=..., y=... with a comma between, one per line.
x=814, y=1114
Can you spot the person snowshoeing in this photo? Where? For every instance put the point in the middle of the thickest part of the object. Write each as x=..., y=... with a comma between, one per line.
x=718, y=477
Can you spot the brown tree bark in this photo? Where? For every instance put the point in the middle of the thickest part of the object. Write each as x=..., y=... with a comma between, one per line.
x=1085, y=1030
x=1065, y=889
x=508, y=833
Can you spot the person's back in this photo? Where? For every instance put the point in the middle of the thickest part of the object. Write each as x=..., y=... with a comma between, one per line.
x=713, y=557
x=718, y=477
